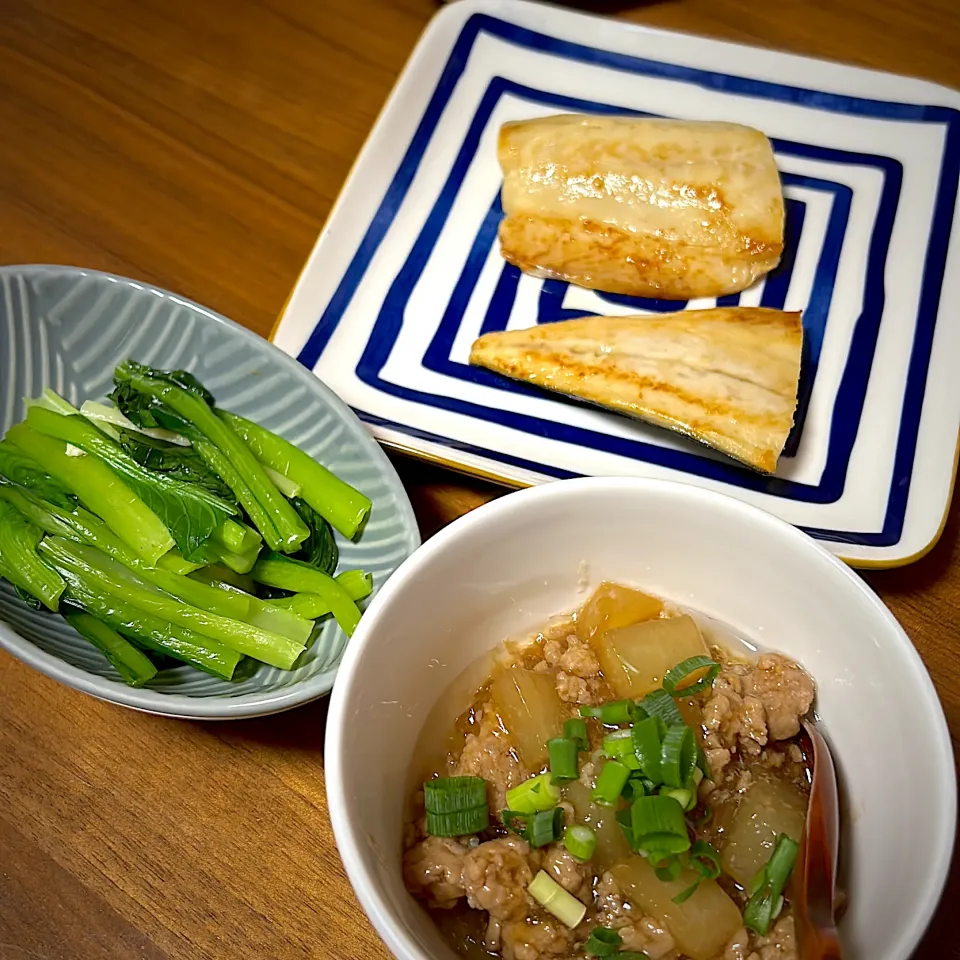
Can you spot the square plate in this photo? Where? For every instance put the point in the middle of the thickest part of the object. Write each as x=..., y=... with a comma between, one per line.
x=407, y=271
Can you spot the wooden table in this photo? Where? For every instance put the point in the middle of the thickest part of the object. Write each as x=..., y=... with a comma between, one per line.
x=199, y=145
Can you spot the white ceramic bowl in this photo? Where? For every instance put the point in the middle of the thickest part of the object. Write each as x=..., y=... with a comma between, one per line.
x=510, y=564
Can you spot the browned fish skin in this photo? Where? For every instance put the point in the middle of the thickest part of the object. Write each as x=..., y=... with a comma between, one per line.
x=727, y=377
x=644, y=207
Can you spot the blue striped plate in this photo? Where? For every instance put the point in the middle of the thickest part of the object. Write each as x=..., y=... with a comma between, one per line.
x=407, y=271
x=67, y=329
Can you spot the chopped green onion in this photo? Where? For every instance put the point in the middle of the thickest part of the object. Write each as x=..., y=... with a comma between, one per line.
x=612, y=714
x=533, y=795
x=613, y=778
x=684, y=895
x=637, y=786
x=659, y=703
x=647, y=747
x=705, y=860
x=619, y=711
x=705, y=816
x=456, y=806
x=767, y=886
x=669, y=869
x=619, y=746
x=563, y=759
x=457, y=824
x=686, y=798
x=682, y=671
x=580, y=841
x=554, y=899
x=603, y=942
x=576, y=729
x=449, y=794
x=678, y=757
x=702, y=765
x=657, y=824
x=544, y=827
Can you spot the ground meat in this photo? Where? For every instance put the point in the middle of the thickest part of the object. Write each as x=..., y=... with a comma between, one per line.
x=640, y=933
x=751, y=704
x=489, y=753
x=573, y=876
x=578, y=669
x=432, y=871
x=779, y=944
x=553, y=651
x=785, y=691
x=536, y=938
x=577, y=690
x=580, y=660
x=496, y=876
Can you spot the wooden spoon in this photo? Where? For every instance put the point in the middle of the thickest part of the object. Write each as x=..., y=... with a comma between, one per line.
x=815, y=875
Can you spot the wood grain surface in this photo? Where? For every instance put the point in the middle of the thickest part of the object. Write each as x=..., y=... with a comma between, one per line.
x=199, y=145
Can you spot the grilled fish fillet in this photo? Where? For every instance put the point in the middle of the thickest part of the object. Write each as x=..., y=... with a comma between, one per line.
x=727, y=377
x=650, y=208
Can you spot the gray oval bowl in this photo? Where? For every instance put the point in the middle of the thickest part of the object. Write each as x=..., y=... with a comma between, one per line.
x=67, y=328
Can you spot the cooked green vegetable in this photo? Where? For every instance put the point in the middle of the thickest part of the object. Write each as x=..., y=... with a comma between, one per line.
x=189, y=512
x=135, y=668
x=114, y=580
x=320, y=550
x=140, y=522
x=180, y=462
x=276, y=570
x=311, y=605
x=100, y=490
x=19, y=561
x=21, y=469
x=178, y=402
x=237, y=537
x=345, y=508
x=151, y=632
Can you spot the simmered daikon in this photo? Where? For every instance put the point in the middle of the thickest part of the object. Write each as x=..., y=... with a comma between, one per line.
x=701, y=925
x=529, y=708
x=612, y=845
x=634, y=659
x=612, y=606
x=768, y=807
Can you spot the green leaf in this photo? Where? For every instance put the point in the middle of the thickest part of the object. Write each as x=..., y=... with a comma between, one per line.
x=182, y=463
x=320, y=549
x=148, y=411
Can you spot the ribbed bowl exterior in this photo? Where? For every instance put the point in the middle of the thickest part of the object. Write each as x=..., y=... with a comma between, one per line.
x=68, y=328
